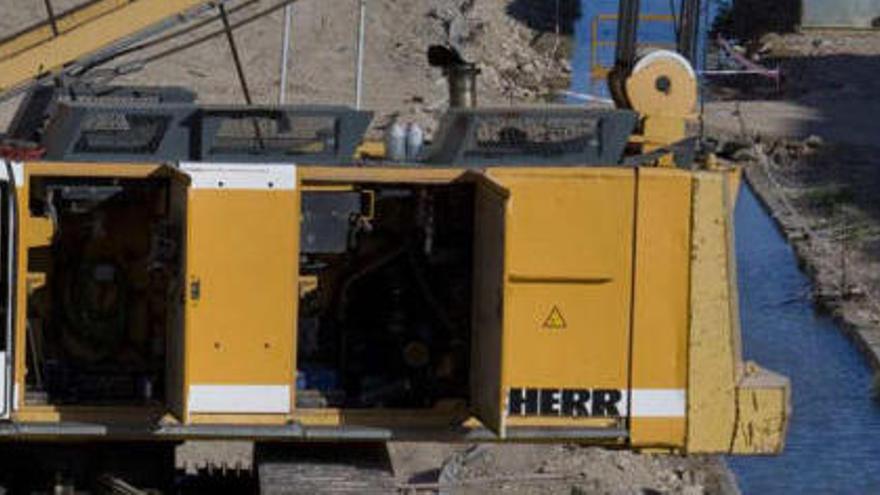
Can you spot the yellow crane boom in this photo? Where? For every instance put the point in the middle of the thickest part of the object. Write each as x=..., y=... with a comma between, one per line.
x=48, y=48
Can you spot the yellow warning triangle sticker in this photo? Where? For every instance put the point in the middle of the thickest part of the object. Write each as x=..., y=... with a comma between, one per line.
x=555, y=321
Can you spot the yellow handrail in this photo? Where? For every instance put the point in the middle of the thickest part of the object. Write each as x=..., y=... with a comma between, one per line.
x=597, y=69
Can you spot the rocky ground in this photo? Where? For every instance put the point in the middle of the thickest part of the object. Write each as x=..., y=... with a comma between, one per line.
x=523, y=62
x=494, y=468
x=559, y=469
x=812, y=153
x=514, y=41
x=829, y=89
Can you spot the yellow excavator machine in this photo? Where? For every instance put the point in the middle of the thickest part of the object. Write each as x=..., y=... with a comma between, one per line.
x=174, y=271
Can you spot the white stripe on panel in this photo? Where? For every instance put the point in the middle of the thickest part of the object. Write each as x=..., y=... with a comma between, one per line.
x=241, y=176
x=239, y=399
x=659, y=403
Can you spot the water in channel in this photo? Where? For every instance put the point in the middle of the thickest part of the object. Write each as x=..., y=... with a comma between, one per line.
x=833, y=444
x=834, y=437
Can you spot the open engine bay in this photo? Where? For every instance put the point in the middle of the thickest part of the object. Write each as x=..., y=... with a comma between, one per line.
x=385, y=311
x=102, y=291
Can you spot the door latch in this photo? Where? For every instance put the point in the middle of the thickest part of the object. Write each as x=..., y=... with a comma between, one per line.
x=195, y=289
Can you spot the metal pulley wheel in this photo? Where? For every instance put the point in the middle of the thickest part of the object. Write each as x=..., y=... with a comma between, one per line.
x=663, y=83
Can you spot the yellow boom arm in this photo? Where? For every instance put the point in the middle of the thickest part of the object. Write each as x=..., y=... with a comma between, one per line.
x=85, y=31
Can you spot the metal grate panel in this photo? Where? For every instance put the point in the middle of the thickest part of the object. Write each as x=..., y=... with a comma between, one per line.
x=562, y=136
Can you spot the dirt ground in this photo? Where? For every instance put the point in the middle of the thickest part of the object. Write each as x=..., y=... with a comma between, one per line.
x=509, y=469
x=813, y=155
x=523, y=61
x=830, y=89
x=567, y=469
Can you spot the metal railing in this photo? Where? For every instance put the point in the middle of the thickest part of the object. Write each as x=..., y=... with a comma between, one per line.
x=598, y=70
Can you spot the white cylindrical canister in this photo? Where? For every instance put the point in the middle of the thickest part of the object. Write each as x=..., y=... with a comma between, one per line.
x=415, y=141
x=395, y=142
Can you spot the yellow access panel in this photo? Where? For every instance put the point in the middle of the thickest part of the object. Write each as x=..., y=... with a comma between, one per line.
x=568, y=293
x=661, y=307
x=242, y=265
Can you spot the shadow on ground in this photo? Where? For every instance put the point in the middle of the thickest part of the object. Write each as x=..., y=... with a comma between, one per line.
x=541, y=15
x=754, y=18
x=833, y=96
x=829, y=95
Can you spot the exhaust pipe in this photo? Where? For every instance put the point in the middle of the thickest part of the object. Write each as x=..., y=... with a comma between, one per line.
x=462, y=81
x=461, y=76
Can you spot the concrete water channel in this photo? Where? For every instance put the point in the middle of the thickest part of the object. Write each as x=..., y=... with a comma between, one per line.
x=834, y=436
x=833, y=442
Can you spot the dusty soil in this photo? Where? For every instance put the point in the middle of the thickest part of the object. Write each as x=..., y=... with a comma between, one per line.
x=558, y=469
x=523, y=61
x=829, y=89
x=813, y=156
x=504, y=468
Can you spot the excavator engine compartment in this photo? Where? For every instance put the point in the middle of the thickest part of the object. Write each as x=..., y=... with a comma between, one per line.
x=385, y=308
x=102, y=290
x=181, y=271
